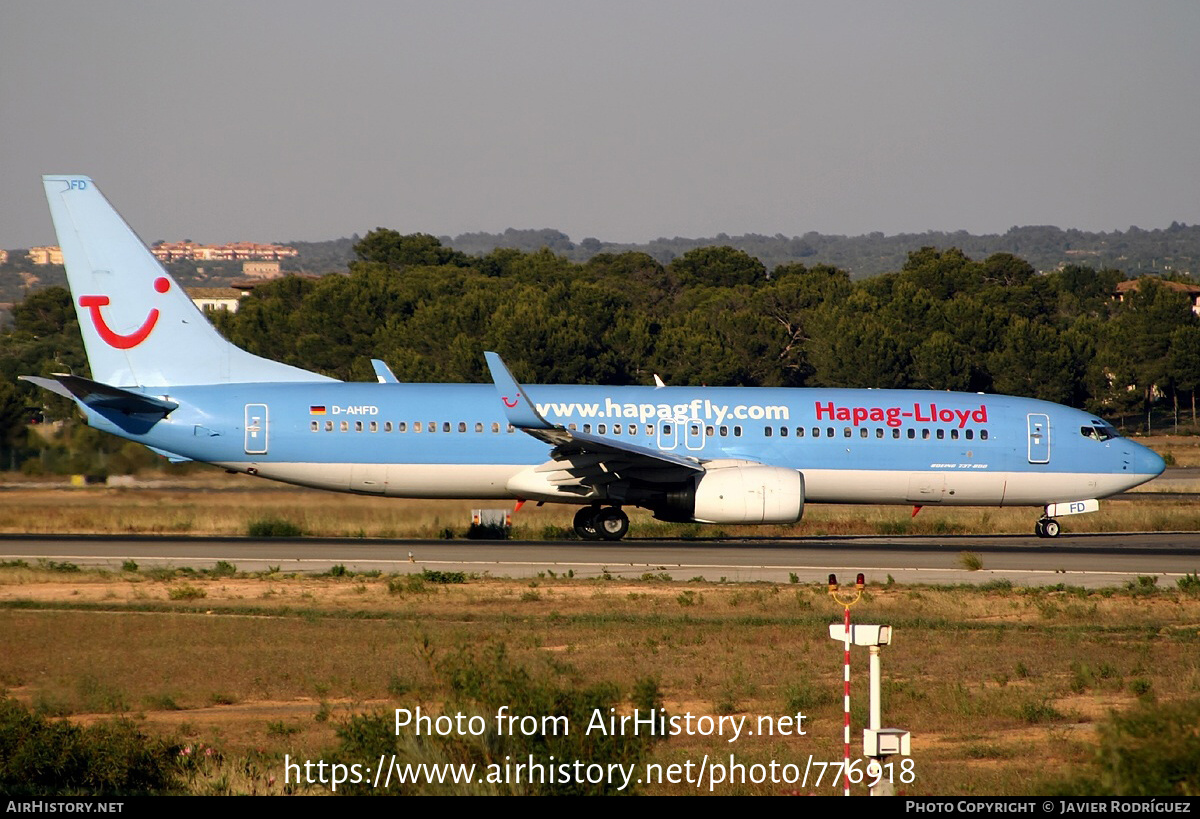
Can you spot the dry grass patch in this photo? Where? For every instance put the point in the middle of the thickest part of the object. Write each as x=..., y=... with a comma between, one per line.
x=274, y=662
x=230, y=505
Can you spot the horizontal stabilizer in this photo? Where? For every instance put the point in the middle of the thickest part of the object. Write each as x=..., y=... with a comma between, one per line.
x=102, y=396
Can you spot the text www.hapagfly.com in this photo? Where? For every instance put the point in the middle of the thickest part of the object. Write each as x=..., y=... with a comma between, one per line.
x=699, y=409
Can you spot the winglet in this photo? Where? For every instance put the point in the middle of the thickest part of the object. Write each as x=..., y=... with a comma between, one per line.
x=383, y=372
x=518, y=408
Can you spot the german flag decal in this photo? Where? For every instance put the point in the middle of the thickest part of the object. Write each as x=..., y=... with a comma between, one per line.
x=315, y=410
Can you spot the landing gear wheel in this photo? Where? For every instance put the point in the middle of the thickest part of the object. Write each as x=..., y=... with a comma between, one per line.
x=611, y=523
x=1047, y=527
x=585, y=523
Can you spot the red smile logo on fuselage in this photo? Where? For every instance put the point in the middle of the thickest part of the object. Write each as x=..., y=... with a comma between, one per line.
x=110, y=336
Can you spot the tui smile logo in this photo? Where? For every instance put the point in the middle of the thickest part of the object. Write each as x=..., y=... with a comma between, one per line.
x=114, y=339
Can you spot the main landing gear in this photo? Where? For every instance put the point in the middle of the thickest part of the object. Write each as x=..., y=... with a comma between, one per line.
x=1046, y=527
x=601, y=523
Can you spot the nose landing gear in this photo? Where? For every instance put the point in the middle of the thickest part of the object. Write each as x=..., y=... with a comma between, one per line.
x=1046, y=527
x=597, y=523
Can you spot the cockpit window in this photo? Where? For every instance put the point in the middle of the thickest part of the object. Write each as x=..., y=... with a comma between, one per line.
x=1099, y=431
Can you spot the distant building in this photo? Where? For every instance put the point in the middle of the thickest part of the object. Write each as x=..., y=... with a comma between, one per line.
x=217, y=298
x=261, y=270
x=3, y=257
x=190, y=251
x=232, y=252
x=1192, y=290
x=45, y=255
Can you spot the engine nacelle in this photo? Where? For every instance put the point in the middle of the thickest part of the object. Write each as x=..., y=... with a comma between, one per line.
x=749, y=493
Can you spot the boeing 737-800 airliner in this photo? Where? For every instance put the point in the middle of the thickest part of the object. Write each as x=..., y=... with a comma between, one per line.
x=161, y=375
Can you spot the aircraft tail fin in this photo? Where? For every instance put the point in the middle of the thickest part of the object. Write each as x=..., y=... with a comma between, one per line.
x=139, y=326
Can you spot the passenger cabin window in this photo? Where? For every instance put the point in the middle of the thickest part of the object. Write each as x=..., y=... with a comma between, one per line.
x=315, y=425
x=767, y=432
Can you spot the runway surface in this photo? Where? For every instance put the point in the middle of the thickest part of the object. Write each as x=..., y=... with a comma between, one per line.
x=1089, y=560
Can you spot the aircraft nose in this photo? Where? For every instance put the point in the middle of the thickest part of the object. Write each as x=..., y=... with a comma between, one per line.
x=1145, y=461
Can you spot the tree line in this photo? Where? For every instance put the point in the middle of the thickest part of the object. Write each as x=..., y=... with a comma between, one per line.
x=713, y=315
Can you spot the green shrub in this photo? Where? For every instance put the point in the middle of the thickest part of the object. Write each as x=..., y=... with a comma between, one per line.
x=406, y=583
x=186, y=592
x=273, y=527
x=42, y=757
x=487, y=531
x=223, y=569
x=433, y=576
x=1150, y=750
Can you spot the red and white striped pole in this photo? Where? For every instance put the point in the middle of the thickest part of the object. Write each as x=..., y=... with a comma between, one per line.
x=846, y=706
x=860, y=582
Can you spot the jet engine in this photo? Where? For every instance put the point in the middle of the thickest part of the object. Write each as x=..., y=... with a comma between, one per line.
x=736, y=492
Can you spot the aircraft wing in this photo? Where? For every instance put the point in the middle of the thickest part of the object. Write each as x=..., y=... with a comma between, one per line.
x=579, y=458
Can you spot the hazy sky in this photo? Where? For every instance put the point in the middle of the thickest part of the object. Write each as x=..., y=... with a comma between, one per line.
x=273, y=121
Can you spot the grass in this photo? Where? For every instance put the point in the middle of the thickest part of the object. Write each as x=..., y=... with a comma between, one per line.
x=250, y=506
x=259, y=676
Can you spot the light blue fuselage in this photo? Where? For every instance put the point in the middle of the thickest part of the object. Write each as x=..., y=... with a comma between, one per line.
x=871, y=446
